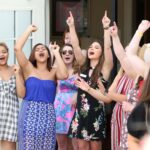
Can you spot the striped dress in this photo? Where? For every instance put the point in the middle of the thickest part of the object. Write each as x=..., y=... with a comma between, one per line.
x=124, y=85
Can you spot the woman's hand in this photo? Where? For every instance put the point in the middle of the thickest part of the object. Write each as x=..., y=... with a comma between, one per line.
x=16, y=69
x=70, y=20
x=143, y=26
x=32, y=28
x=80, y=83
x=105, y=21
x=127, y=107
x=113, y=30
x=54, y=48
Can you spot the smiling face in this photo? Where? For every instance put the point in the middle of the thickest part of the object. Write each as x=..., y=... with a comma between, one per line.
x=67, y=54
x=3, y=55
x=94, y=51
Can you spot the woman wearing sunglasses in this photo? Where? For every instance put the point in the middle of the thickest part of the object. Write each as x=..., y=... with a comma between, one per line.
x=65, y=100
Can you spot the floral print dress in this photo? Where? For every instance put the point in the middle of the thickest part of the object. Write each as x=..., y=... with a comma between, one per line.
x=89, y=120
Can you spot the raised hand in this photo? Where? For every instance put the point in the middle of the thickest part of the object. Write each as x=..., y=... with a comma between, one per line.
x=113, y=30
x=105, y=20
x=143, y=26
x=80, y=83
x=16, y=69
x=54, y=48
x=70, y=19
x=32, y=28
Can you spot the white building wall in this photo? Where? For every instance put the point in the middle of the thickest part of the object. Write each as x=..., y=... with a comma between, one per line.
x=38, y=9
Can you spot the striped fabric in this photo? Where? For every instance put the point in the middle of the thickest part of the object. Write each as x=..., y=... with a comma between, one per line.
x=124, y=85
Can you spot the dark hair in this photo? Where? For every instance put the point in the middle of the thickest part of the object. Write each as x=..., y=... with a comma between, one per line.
x=137, y=85
x=64, y=34
x=97, y=70
x=4, y=45
x=75, y=65
x=32, y=56
x=145, y=96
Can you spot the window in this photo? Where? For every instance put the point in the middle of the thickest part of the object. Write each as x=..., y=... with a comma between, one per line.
x=12, y=27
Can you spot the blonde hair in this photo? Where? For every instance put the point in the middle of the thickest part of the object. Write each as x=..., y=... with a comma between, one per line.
x=143, y=49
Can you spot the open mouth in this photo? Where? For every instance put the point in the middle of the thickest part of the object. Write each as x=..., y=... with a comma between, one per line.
x=91, y=53
x=41, y=55
x=2, y=58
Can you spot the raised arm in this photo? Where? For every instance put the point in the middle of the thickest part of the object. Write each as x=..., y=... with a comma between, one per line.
x=121, y=54
x=74, y=40
x=133, y=46
x=61, y=69
x=21, y=58
x=108, y=61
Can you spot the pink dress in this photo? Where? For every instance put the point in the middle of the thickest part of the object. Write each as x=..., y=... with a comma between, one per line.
x=124, y=85
x=64, y=109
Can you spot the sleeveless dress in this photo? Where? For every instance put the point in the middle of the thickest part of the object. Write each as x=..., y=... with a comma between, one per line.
x=89, y=120
x=133, y=98
x=36, y=127
x=66, y=92
x=124, y=85
x=9, y=109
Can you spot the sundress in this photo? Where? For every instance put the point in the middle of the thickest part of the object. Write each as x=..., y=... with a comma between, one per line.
x=66, y=93
x=9, y=109
x=89, y=121
x=123, y=86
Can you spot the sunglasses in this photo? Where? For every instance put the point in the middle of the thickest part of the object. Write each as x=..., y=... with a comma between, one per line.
x=70, y=52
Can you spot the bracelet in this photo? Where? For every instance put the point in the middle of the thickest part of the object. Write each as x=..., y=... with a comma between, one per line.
x=140, y=34
x=106, y=28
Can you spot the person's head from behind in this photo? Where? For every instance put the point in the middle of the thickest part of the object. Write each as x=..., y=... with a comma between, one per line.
x=3, y=54
x=66, y=37
x=40, y=54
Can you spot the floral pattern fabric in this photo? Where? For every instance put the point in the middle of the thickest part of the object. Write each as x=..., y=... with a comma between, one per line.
x=89, y=120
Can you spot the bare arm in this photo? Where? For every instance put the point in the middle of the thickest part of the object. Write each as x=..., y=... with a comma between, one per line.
x=133, y=143
x=108, y=57
x=61, y=70
x=133, y=46
x=74, y=40
x=21, y=58
x=121, y=54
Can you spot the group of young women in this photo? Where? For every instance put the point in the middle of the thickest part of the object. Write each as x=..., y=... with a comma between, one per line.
x=64, y=92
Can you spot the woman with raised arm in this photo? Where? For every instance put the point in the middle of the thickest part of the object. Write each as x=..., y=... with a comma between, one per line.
x=135, y=67
x=65, y=101
x=88, y=124
x=11, y=87
x=36, y=129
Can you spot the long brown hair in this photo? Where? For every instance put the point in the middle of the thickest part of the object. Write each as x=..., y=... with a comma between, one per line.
x=33, y=60
x=145, y=96
x=75, y=65
x=97, y=71
x=4, y=45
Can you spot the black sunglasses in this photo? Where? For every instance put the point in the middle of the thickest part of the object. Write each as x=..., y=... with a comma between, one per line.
x=70, y=52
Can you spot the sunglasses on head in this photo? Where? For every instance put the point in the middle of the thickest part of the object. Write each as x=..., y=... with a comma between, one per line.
x=64, y=52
